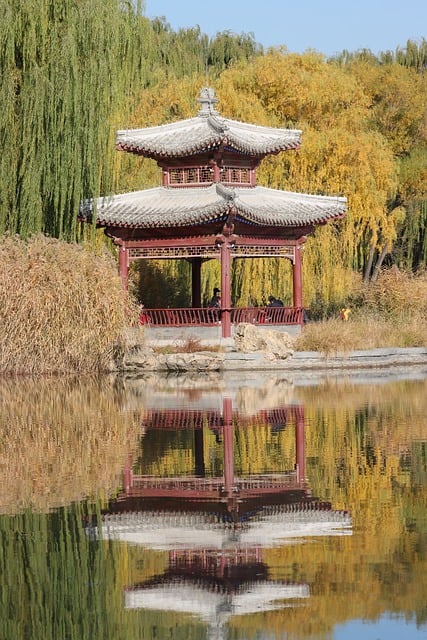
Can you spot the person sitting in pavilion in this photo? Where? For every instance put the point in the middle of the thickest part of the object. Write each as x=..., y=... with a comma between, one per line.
x=274, y=302
x=215, y=301
x=215, y=305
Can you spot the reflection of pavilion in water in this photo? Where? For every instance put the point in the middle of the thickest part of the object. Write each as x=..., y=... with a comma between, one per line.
x=215, y=528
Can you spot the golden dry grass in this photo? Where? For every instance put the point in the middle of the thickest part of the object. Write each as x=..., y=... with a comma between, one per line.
x=391, y=312
x=362, y=332
x=62, y=440
x=189, y=345
x=396, y=293
x=62, y=307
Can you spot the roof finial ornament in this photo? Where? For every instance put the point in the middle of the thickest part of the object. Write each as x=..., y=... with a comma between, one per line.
x=208, y=101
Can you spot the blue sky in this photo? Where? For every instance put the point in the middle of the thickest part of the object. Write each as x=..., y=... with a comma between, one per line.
x=328, y=26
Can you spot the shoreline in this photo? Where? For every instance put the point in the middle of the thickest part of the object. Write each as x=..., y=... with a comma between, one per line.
x=140, y=358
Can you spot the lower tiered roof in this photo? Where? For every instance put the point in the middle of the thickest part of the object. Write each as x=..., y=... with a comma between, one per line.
x=194, y=206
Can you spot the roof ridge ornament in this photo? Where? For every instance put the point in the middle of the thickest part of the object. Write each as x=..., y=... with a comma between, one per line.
x=208, y=101
x=227, y=193
x=217, y=124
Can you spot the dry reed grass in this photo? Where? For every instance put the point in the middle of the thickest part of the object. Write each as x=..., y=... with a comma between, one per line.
x=62, y=307
x=362, y=332
x=396, y=293
x=62, y=440
x=391, y=312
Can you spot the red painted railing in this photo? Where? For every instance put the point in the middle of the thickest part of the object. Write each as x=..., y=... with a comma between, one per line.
x=267, y=483
x=187, y=317
x=268, y=315
x=176, y=419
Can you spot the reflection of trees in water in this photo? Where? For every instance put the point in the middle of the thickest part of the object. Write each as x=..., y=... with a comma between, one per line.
x=165, y=452
x=365, y=451
x=62, y=439
x=57, y=582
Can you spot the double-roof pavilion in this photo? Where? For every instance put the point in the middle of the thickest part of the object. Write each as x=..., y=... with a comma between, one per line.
x=209, y=205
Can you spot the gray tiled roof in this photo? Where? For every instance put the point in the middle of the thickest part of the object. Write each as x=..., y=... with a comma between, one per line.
x=208, y=130
x=181, y=207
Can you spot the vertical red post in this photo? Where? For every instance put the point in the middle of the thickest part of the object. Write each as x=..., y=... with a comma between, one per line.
x=227, y=419
x=300, y=443
x=127, y=475
x=123, y=264
x=226, y=289
x=297, y=276
x=216, y=173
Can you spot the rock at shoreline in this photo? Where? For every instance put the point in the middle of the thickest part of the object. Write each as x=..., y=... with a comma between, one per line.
x=199, y=361
x=135, y=356
x=275, y=345
x=141, y=359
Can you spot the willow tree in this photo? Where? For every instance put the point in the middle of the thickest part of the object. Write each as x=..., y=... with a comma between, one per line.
x=363, y=127
x=411, y=246
x=65, y=67
x=413, y=54
x=397, y=110
x=176, y=54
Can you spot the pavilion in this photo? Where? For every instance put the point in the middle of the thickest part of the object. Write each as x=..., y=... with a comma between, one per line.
x=209, y=206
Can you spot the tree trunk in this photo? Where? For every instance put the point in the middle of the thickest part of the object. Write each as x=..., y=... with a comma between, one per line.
x=368, y=267
x=379, y=263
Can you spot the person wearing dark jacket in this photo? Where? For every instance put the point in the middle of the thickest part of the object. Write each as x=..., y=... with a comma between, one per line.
x=215, y=302
x=215, y=306
x=274, y=302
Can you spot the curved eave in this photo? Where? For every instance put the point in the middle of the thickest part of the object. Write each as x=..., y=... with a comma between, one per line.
x=262, y=206
x=203, y=147
x=201, y=134
x=257, y=206
x=162, y=207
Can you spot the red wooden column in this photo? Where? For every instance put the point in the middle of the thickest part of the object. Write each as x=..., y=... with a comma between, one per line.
x=300, y=443
x=124, y=264
x=297, y=276
x=127, y=475
x=227, y=420
x=226, y=289
x=196, y=291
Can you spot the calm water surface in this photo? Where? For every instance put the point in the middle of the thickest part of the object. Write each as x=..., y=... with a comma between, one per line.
x=214, y=507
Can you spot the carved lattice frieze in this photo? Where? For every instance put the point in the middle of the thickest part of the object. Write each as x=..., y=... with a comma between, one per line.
x=263, y=251
x=256, y=251
x=136, y=253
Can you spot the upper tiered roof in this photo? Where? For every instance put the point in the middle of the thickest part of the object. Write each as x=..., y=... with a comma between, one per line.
x=205, y=132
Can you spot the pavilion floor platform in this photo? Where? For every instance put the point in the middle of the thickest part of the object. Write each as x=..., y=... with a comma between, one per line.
x=210, y=336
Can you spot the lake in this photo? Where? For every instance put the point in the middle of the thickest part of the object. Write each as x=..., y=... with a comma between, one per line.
x=245, y=506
